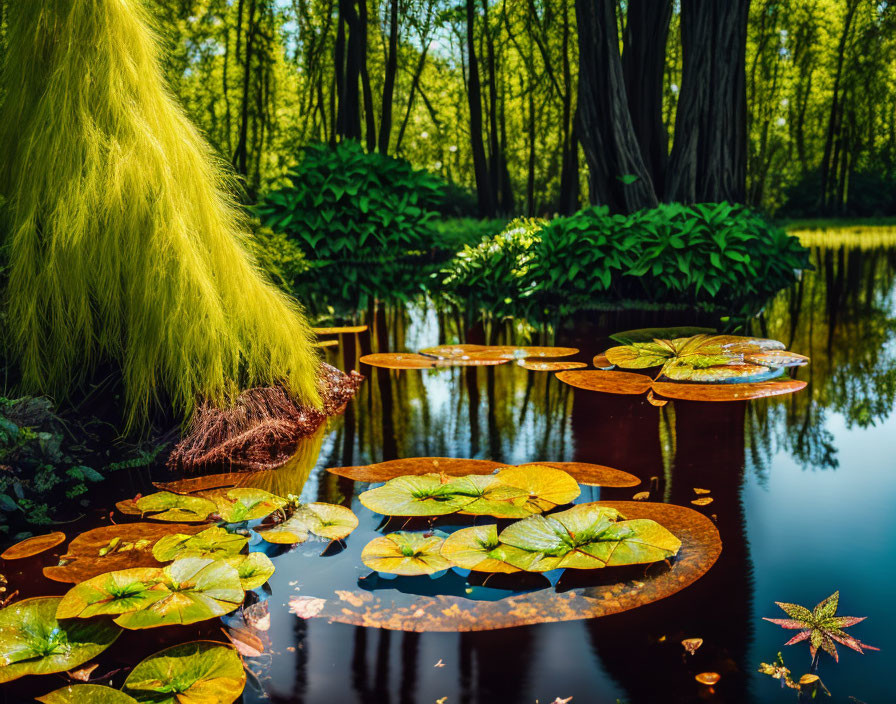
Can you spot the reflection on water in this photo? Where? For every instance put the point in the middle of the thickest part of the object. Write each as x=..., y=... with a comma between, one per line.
x=802, y=488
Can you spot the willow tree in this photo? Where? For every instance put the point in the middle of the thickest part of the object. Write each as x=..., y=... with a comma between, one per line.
x=124, y=245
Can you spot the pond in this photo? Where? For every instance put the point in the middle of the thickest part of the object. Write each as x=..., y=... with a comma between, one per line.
x=803, y=489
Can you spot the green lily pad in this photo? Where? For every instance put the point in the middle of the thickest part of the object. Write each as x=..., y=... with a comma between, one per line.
x=212, y=542
x=586, y=536
x=86, y=694
x=244, y=504
x=423, y=495
x=113, y=594
x=200, y=588
x=34, y=642
x=720, y=373
x=176, y=507
x=547, y=487
x=253, y=569
x=201, y=672
x=629, y=337
x=477, y=549
x=329, y=521
x=407, y=554
x=492, y=497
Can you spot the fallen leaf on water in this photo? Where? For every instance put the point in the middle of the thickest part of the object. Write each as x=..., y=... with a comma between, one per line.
x=441, y=700
x=246, y=644
x=326, y=343
x=342, y=330
x=641, y=496
x=691, y=645
x=708, y=678
x=808, y=679
x=558, y=700
x=701, y=491
x=33, y=546
x=306, y=606
x=258, y=616
x=654, y=401
x=439, y=663
x=82, y=674
x=355, y=599
x=703, y=501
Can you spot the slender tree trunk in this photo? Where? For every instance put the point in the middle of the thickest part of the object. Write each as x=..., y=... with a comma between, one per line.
x=415, y=81
x=643, y=64
x=618, y=176
x=474, y=95
x=369, y=118
x=389, y=79
x=241, y=153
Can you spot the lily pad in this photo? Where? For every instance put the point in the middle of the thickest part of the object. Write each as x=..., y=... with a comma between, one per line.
x=87, y=555
x=593, y=474
x=477, y=549
x=34, y=642
x=113, y=594
x=721, y=373
x=409, y=360
x=343, y=330
x=587, y=536
x=776, y=358
x=508, y=352
x=33, y=546
x=199, y=589
x=200, y=672
x=608, y=382
x=212, y=542
x=727, y=392
x=206, y=482
x=86, y=694
x=167, y=506
x=406, y=554
x=546, y=486
x=383, y=471
x=492, y=497
x=451, y=351
x=253, y=569
x=425, y=495
x=244, y=504
x=537, y=366
x=325, y=520
x=627, y=337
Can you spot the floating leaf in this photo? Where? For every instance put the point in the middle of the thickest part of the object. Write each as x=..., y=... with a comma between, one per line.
x=244, y=504
x=425, y=495
x=200, y=589
x=536, y=366
x=586, y=536
x=34, y=642
x=212, y=542
x=407, y=554
x=247, y=644
x=33, y=546
x=691, y=645
x=592, y=474
x=451, y=351
x=608, y=382
x=344, y=330
x=82, y=560
x=508, y=352
x=628, y=337
x=654, y=401
x=383, y=471
x=476, y=549
x=409, y=360
x=601, y=362
x=200, y=672
x=776, y=358
x=708, y=678
x=86, y=694
x=702, y=501
x=253, y=569
x=491, y=496
x=306, y=606
x=698, y=490
x=641, y=496
x=727, y=392
x=113, y=593
x=720, y=373
x=175, y=507
x=129, y=507
x=546, y=486
x=325, y=520
x=206, y=482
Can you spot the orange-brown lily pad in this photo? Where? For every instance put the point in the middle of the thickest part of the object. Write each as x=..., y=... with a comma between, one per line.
x=535, y=365
x=33, y=546
x=510, y=352
x=327, y=343
x=129, y=507
x=727, y=392
x=594, y=474
x=409, y=360
x=451, y=351
x=344, y=330
x=204, y=483
x=395, y=610
x=384, y=471
x=123, y=546
x=608, y=382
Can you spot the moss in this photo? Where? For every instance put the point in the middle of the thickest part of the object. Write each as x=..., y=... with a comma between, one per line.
x=123, y=240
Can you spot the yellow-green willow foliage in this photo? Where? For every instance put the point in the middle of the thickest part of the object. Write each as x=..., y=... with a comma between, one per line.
x=123, y=242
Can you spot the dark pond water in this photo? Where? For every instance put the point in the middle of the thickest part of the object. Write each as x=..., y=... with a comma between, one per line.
x=804, y=490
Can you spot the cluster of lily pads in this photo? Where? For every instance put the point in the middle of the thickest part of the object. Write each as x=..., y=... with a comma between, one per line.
x=122, y=581
x=586, y=536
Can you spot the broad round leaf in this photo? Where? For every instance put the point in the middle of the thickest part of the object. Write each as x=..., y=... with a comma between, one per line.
x=407, y=554
x=212, y=542
x=253, y=569
x=476, y=549
x=343, y=330
x=205, y=482
x=593, y=474
x=424, y=495
x=508, y=352
x=244, y=504
x=325, y=520
x=492, y=497
x=33, y=546
x=727, y=392
x=167, y=506
x=607, y=382
x=200, y=589
x=383, y=471
x=86, y=694
x=734, y=371
x=408, y=360
x=200, y=672
x=776, y=358
x=539, y=366
x=113, y=593
x=34, y=642
x=641, y=355
x=547, y=486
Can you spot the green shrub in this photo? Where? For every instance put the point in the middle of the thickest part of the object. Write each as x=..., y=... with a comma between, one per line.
x=493, y=275
x=362, y=222
x=451, y=234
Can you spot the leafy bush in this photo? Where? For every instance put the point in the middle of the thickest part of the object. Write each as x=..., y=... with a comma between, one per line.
x=711, y=255
x=362, y=222
x=494, y=274
x=451, y=234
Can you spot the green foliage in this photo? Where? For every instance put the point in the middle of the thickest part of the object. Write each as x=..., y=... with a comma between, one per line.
x=361, y=220
x=494, y=275
x=280, y=257
x=124, y=243
x=452, y=234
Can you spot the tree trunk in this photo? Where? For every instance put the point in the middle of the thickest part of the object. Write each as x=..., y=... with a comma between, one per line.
x=643, y=64
x=618, y=176
x=348, y=116
x=389, y=79
x=369, y=120
x=474, y=95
